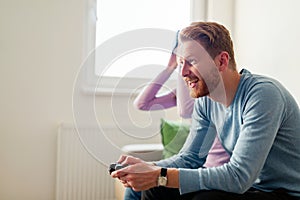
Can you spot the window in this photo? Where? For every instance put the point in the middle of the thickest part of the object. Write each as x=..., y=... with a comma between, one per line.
x=109, y=21
x=118, y=16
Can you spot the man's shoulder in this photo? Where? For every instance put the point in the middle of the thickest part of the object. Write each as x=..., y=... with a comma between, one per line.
x=260, y=83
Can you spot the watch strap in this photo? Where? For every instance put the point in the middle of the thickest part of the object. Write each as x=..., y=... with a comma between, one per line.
x=163, y=172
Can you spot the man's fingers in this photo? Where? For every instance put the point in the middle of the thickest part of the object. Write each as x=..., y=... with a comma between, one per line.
x=122, y=158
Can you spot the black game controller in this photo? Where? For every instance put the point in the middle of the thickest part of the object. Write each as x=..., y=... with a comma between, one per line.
x=115, y=166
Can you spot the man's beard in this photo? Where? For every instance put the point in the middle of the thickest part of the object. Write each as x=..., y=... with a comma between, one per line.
x=200, y=90
x=204, y=86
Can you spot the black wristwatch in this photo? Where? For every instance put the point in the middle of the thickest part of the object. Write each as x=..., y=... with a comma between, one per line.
x=162, y=179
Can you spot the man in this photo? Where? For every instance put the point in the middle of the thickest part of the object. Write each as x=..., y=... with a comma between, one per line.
x=255, y=118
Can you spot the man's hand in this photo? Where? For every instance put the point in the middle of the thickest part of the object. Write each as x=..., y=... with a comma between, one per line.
x=129, y=160
x=138, y=176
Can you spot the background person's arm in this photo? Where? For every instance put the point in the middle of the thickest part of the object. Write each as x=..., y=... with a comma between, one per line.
x=185, y=103
x=149, y=99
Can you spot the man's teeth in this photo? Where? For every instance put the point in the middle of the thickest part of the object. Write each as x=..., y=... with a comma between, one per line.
x=193, y=81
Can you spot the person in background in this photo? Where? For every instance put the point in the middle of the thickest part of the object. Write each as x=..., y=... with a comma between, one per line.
x=149, y=99
x=255, y=117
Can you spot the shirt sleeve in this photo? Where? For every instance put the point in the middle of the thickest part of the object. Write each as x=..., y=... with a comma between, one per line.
x=185, y=103
x=148, y=98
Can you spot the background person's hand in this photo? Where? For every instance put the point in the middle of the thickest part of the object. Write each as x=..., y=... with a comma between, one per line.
x=172, y=64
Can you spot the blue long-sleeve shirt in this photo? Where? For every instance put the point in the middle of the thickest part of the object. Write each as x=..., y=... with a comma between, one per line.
x=261, y=132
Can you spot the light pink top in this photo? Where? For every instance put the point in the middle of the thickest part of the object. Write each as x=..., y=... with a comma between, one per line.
x=148, y=100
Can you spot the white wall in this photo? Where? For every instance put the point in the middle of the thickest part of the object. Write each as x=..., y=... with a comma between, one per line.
x=267, y=39
x=40, y=52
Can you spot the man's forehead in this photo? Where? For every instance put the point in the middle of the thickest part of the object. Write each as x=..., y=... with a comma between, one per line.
x=190, y=48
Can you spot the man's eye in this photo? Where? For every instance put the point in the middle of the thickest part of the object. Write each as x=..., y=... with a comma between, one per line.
x=180, y=62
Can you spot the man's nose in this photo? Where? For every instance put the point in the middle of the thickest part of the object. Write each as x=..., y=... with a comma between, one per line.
x=184, y=68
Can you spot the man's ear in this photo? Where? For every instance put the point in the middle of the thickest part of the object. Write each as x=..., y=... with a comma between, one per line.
x=222, y=61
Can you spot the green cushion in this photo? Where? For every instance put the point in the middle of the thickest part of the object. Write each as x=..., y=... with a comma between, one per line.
x=173, y=136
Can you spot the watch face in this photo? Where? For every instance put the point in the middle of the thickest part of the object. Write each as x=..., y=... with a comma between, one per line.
x=162, y=181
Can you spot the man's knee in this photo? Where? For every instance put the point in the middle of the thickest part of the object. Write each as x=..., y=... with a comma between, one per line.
x=205, y=195
x=209, y=195
x=162, y=193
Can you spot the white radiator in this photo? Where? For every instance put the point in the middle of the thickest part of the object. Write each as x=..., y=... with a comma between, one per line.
x=79, y=176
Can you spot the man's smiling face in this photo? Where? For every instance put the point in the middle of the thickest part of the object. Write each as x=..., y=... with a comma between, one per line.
x=197, y=68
